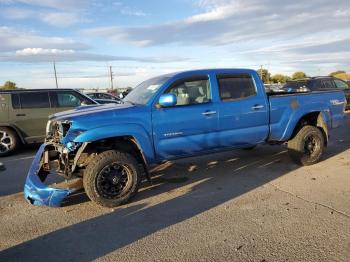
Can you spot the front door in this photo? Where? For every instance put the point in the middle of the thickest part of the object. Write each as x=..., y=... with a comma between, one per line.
x=188, y=127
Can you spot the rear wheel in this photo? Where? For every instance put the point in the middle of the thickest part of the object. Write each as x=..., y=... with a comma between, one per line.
x=249, y=148
x=112, y=178
x=307, y=147
x=8, y=141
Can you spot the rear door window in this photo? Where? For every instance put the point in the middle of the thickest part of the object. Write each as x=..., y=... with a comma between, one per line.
x=233, y=87
x=34, y=100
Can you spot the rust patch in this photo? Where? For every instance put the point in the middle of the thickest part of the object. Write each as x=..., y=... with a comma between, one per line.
x=294, y=104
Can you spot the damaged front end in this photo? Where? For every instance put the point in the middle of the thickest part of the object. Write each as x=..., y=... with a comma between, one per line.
x=58, y=155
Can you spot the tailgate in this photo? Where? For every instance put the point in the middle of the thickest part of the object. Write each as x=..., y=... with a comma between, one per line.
x=337, y=107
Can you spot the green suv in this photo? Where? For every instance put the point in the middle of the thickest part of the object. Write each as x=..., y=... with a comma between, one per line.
x=24, y=114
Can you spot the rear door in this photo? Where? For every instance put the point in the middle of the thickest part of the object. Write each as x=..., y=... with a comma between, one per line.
x=243, y=111
x=30, y=111
x=188, y=127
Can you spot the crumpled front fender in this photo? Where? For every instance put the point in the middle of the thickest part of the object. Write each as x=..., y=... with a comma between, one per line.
x=36, y=192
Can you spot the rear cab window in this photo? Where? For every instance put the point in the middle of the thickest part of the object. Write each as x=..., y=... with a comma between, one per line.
x=293, y=85
x=236, y=86
x=328, y=84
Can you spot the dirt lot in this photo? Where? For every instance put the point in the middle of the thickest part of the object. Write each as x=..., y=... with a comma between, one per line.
x=234, y=206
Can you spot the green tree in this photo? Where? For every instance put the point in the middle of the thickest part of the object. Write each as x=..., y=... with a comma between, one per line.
x=265, y=75
x=337, y=73
x=279, y=78
x=343, y=76
x=9, y=85
x=298, y=75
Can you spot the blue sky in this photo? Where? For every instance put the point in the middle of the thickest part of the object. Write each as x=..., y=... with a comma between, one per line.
x=140, y=39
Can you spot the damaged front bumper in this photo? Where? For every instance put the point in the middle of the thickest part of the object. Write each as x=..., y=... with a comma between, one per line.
x=39, y=194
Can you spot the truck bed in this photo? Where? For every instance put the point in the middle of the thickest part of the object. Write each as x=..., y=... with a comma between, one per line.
x=287, y=108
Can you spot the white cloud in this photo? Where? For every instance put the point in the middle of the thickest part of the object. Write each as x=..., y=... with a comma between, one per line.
x=128, y=10
x=43, y=51
x=59, y=13
x=58, y=19
x=62, y=19
x=17, y=13
x=34, y=55
x=221, y=10
x=56, y=4
x=132, y=12
x=12, y=39
x=230, y=22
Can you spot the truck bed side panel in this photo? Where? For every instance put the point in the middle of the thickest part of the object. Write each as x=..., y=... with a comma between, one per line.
x=287, y=110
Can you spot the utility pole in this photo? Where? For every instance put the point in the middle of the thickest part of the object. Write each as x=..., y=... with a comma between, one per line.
x=261, y=72
x=111, y=75
x=54, y=68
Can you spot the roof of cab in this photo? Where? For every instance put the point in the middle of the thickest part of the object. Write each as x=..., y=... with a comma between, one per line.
x=215, y=71
x=197, y=72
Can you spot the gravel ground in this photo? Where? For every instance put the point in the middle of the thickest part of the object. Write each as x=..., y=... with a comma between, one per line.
x=233, y=206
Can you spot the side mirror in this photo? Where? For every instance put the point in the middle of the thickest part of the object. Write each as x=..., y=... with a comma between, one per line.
x=167, y=100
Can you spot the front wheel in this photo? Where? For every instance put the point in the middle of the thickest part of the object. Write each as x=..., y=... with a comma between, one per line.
x=9, y=141
x=307, y=147
x=112, y=178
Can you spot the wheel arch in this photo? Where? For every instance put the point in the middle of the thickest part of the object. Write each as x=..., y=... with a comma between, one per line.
x=134, y=134
x=317, y=119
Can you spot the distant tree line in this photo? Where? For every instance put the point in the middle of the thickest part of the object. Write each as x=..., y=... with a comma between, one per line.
x=264, y=74
x=9, y=86
x=280, y=78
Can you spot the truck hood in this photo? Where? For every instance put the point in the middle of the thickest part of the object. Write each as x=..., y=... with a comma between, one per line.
x=91, y=110
x=96, y=116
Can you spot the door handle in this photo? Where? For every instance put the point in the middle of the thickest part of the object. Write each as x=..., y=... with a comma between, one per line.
x=257, y=107
x=209, y=113
x=20, y=114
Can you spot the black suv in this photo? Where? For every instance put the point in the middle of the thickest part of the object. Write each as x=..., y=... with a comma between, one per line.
x=24, y=113
x=319, y=83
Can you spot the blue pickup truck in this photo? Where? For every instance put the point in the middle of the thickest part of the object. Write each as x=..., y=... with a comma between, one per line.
x=111, y=147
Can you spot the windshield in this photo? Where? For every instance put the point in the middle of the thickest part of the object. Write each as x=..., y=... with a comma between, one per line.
x=142, y=93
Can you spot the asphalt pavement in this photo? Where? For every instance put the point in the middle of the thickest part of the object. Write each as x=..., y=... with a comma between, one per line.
x=234, y=206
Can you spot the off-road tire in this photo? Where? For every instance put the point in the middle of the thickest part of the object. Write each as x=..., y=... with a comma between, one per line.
x=11, y=138
x=298, y=146
x=96, y=166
